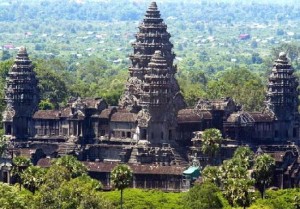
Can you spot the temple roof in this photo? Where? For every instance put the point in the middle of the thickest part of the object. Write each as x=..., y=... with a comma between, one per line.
x=106, y=167
x=261, y=117
x=136, y=169
x=189, y=116
x=158, y=170
x=124, y=116
x=106, y=113
x=47, y=114
x=216, y=104
x=92, y=102
x=66, y=112
x=243, y=117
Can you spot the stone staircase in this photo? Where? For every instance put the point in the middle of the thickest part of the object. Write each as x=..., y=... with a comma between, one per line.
x=133, y=155
x=180, y=157
x=66, y=148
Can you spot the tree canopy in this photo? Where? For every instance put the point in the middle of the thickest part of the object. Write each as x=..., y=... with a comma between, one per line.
x=203, y=196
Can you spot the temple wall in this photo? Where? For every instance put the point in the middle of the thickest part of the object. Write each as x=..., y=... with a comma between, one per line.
x=122, y=129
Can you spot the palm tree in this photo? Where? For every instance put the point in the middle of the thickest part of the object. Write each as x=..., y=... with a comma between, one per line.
x=236, y=182
x=263, y=171
x=211, y=174
x=238, y=191
x=121, y=177
x=211, y=142
x=245, y=155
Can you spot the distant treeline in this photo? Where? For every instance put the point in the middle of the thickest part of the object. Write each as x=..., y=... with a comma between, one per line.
x=228, y=11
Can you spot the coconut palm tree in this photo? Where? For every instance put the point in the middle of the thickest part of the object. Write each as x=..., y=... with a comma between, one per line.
x=121, y=177
x=245, y=155
x=211, y=142
x=263, y=172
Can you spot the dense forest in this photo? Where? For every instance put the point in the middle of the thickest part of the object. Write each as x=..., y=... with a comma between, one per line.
x=81, y=48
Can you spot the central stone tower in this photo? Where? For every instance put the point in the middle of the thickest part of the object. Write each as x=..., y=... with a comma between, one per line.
x=151, y=91
x=152, y=37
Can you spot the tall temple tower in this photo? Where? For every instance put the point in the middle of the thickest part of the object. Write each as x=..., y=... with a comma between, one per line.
x=157, y=119
x=282, y=99
x=152, y=36
x=21, y=96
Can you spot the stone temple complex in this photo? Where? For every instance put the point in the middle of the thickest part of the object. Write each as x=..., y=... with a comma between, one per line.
x=151, y=129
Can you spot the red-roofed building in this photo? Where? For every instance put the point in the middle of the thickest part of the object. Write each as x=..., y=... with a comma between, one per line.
x=244, y=36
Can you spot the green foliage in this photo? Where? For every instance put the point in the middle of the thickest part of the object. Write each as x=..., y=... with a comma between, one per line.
x=10, y=198
x=46, y=105
x=212, y=174
x=55, y=176
x=291, y=49
x=245, y=155
x=20, y=161
x=296, y=202
x=3, y=144
x=33, y=177
x=75, y=167
x=121, y=176
x=4, y=68
x=80, y=192
x=140, y=199
x=263, y=171
x=5, y=55
x=211, y=142
x=232, y=176
x=52, y=86
x=244, y=86
x=237, y=191
x=19, y=165
x=281, y=199
x=203, y=196
x=234, y=179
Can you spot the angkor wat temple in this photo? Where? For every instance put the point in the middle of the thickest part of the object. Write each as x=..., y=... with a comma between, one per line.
x=152, y=128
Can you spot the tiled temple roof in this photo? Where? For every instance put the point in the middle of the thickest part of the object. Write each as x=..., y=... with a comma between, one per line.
x=261, y=117
x=189, y=115
x=243, y=117
x=158, y=170
x=106, y=113
x=136, y=169
x=92, y=102
x=107, y=167
x=46, y=114
x=123, y=116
